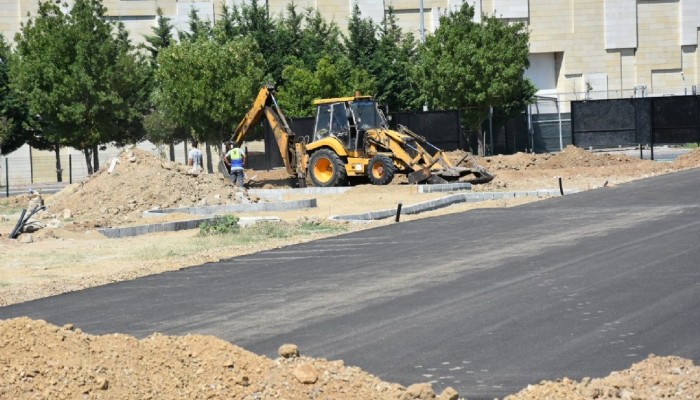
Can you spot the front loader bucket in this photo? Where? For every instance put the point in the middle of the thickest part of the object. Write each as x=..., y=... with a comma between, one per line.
x=427, y=176
x=419, y=176
x=480, y=177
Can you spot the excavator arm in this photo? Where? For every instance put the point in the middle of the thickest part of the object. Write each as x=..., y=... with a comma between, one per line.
x=265, y=105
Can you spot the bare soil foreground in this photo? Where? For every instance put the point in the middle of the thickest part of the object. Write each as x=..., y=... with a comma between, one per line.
x=39, y=360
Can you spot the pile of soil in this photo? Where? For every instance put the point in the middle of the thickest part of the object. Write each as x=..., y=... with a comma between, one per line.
x=140, y=181
x=40, y=360
x=577, y=168
x=654, y=378
x=570, y=157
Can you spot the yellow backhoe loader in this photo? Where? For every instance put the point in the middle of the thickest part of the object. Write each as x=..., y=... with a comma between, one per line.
x=352, y=139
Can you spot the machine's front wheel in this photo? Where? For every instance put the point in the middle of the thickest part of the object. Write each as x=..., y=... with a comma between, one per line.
x=326, y=169
x=380, y=170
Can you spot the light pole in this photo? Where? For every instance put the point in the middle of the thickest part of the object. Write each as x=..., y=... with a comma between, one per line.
x=422, y=23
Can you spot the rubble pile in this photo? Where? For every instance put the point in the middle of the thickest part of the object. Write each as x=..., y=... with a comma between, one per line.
x=654, y=378
x=40, y=360
x=139, y=181
x=570, y=157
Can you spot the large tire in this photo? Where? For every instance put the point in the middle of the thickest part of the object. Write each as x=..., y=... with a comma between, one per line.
x=326, y=169
x=380, y=170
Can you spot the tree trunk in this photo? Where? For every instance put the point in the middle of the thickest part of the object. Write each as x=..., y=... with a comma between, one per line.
x=481, y=144
x=184, y=146
x=210, y=165
x=96, y=156
x=88, y=160
x=59, y=171
x=172, y=151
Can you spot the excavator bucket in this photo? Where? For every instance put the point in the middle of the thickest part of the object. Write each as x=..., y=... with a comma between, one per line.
x=480, y=176
x=451, y=174
x=419, y=176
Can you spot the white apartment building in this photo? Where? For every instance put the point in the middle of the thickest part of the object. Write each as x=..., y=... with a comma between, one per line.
x=579, y=48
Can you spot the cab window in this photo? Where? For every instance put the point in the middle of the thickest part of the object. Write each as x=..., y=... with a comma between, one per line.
x=323, y=121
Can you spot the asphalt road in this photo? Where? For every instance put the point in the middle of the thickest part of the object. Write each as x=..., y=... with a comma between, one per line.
x=486, y=301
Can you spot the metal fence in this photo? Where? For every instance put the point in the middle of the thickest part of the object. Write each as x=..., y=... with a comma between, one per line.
x=636, y=121
x=32, y=168
x=549, y=125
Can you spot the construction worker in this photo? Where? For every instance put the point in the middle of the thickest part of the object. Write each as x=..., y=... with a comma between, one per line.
x=194, y=160
x=235, y=161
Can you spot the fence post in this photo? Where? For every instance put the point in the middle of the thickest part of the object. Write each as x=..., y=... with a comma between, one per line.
x=70, y=168
x=31, y=166
x=561, y=140
x=7, y=178
x=491, y=129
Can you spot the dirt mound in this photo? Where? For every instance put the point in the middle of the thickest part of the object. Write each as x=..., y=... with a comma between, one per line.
x=570, y=157
x=17, y=201
x=139, y=182
x=40, y=360
x=688, y=160
x=653, y=378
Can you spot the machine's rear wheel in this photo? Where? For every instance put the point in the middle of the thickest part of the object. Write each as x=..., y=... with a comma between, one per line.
x=380, y=170
x=327, y=169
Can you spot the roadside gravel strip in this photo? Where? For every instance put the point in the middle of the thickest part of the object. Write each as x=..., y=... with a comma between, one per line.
x=447, y=201
x=209, y=213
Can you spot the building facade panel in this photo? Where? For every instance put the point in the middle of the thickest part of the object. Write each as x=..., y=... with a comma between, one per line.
x=620, y=24
x=690, y=21
x=551, y=25
x=10, y=11
x=514, y=9
x=373, y=9
x=659, y=50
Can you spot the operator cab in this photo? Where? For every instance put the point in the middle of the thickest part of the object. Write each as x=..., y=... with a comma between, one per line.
x=348, y=119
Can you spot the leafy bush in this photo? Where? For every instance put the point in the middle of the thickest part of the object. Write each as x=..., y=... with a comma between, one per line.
x=228, y=224
x=270, y=230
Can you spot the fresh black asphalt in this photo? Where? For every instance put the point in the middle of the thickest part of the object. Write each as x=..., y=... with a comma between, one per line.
x=486, y=301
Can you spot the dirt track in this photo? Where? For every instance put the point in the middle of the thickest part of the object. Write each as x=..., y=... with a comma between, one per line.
x=42, y=361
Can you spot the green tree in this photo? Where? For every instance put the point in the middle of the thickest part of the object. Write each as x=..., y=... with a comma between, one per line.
x=132, y=85
x=199, y=29
x=77, y=73
x=291, y=28
x=157, y=129
x=332, y=77
x=34, y=62
x=310, y=37
x=206, y=87
x=162, y=35
x=256, y=22
x=14, y=116
x=361, y=43
x=470, y=66
x=393, y=66
x=227, y=26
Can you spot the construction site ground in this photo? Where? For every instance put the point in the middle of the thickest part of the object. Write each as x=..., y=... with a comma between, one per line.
x=43, y=361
